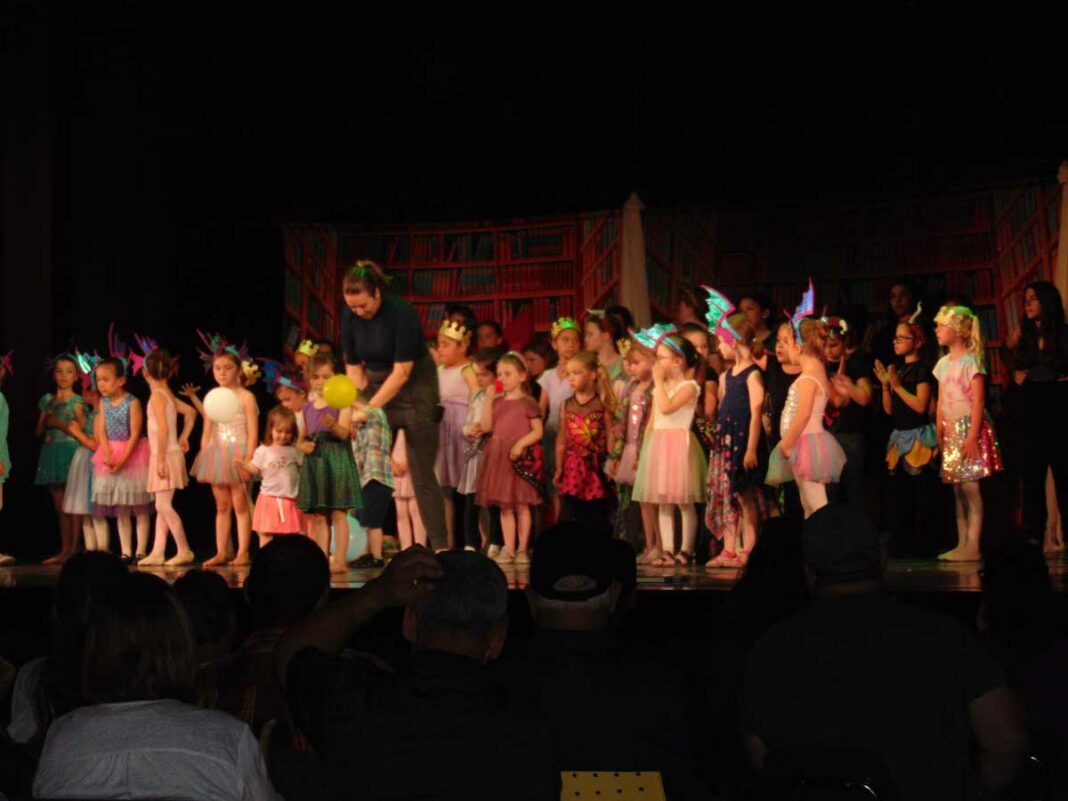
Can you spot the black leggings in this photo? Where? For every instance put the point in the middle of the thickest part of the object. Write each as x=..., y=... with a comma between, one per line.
x=471, y=535
x=1045, y=448
x=594, y=513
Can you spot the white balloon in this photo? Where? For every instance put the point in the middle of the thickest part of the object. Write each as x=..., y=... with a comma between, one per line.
x=221, y=405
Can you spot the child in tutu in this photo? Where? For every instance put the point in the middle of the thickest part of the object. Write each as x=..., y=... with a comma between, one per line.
x=969, y=448
x=276, y=462
x=77, y=498
x=513, y=421
x=329, y=485
x=120, y=478
x=632, y=415
x=671, y=467
x=485, y=362
x=456, y=384
x=58, y=411
x=167, y=473
x=223, y=443
x=806, y=453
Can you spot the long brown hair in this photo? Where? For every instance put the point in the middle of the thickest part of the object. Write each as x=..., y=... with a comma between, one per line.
x=604, y=391
x=747, y=336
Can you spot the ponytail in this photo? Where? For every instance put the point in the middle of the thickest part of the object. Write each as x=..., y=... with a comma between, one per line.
x=365, y=276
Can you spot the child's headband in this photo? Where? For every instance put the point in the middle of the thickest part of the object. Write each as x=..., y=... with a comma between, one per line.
x=656, y=335
x=916, y=314
x=217, y=345
x=718, y=315
x=806, y=308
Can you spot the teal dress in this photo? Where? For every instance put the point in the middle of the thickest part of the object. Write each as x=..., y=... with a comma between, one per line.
x=5, y=457
x=58, y=449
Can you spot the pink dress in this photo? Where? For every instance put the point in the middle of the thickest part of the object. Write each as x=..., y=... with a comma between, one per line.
x=452, y=447
x=672, y=466
x=176, y=476
x=498, y=482
x=632, y=425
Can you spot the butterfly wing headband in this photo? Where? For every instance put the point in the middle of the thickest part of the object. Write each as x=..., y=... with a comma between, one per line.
x=87, y=364
x=806, y=308
x=656, y=335
x=718, y=315
x=131, y=362
x=217, y=345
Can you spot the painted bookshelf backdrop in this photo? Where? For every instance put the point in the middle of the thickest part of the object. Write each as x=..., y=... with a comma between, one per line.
x=498, y=269
x=312, y=289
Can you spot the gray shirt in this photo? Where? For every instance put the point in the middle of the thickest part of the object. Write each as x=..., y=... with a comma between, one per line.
x=152, y=749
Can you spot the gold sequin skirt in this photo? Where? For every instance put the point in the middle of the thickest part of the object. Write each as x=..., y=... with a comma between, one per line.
x=956, y=467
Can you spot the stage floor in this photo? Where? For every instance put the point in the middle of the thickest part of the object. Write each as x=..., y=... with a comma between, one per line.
x=908, y=576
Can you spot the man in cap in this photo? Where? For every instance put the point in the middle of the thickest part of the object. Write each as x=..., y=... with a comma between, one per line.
x=857, y=669
x=613, y=704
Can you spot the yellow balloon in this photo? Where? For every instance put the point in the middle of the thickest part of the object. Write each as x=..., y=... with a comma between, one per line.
x=339, y=392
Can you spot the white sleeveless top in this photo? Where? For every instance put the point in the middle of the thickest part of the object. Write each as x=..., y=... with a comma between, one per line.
x=680, y=419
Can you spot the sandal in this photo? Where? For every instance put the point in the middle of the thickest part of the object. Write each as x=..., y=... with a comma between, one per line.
x=666, y=560
x=684, y=559
x=724, y=559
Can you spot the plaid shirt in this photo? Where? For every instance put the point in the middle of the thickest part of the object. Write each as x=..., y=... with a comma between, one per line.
x=372, y=447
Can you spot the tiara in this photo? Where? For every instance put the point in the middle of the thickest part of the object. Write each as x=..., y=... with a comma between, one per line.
x=307, y=348
x=563, y=324
x=251, y=371
x=455, y=331
x=623, y=346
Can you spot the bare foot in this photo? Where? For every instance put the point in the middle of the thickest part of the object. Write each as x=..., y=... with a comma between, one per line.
x=217, y=560
x=650, y=557
x=241, y=560
x=58, y=559
x=666, y=560
x=725, y=559
x=961, y=555
x=181, y=558
x=152, y=560
x=338, y=566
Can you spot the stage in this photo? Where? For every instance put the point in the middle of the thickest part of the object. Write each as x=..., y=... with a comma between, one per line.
x=925, y=576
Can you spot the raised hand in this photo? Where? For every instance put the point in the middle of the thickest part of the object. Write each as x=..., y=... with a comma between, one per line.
x=189, y=390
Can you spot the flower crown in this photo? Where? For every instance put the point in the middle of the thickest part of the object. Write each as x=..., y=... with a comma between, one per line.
x=563, y=324
x=656, y=335
x=307, y=348
x=455, y=331
x=959, y=318
x=216, y=346
x=718, y=316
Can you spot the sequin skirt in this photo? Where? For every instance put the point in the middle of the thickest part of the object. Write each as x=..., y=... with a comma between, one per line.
x=956, y=468
x=912, y=449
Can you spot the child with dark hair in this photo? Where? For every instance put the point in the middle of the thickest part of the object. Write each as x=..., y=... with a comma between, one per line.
x=490, y=335
x=485, y=364
x=57, y=412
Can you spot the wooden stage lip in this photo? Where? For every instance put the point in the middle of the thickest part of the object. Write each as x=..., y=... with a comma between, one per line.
x=920, y=576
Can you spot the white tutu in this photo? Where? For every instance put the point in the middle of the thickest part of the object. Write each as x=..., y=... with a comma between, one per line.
x=79, y=490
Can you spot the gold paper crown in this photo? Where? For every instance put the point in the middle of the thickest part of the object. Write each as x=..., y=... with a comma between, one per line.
x=252, y=372
x=308, y=348
x=562, y=325
x=455, y=331
x=623, y=346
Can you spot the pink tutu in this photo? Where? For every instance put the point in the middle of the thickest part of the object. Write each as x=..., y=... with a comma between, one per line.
x=671, y=468
x=816, y=457
x=625, y=471
x=215, y=463
x=274, y=515
x=176, y=476
x=124, y=492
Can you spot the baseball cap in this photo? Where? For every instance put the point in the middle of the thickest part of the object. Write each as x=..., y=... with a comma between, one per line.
x=572, y=562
